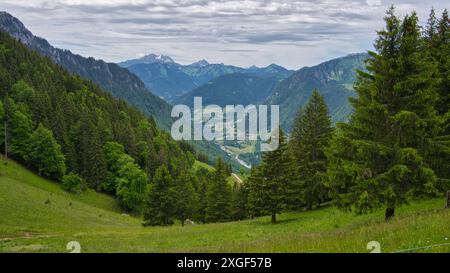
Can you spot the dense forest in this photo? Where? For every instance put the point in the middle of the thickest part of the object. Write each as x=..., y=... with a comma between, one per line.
x=58, y=124
x=396, y=146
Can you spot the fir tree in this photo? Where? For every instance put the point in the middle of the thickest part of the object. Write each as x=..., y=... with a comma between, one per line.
x=437, y=37
x=218, y=195
x=309, y=139
x=185, y=198
x=238, y=208
x=160, y=205
x=377, y=159
x=267, y=193
x=202, y=203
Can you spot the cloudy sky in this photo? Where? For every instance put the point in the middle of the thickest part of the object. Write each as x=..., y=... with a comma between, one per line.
x=250, y=32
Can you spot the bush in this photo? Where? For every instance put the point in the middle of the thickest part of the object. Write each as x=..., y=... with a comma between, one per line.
x=72, y=183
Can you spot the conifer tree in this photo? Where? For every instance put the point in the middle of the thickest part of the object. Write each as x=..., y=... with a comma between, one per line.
x=254, y=202
x=267, y=192
x=202, y=203
x=310, y=137
x=238, y=208
x=185, y=198
x=377, y=159
x=437, y=37
x=218, y=195
x=160, y=205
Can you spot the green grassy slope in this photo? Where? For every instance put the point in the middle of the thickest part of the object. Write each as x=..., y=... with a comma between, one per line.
x=29, y=223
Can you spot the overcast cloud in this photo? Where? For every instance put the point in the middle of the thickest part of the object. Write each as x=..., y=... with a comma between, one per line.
x=244, y=33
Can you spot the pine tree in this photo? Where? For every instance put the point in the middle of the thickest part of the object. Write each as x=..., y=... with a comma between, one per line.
x=254, y=202
x=186, y=199
x=267, y=194
x=238, y=208
x=218, y=196
x=377, y=159
x=45, y=154
x=160, y=205
x=2, y=123
x=437, y=37
x=202, y=201
x=310, y=137
x=92, y=162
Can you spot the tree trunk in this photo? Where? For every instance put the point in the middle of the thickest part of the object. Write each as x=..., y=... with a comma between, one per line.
x=274, y=218
x=389, y=214
x=182, y=221
x=447, y=204
x=6, y=142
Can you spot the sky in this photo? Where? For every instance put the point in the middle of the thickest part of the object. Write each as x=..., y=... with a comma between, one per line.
x=244, y=33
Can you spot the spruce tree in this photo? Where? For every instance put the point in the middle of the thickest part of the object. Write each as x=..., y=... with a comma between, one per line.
x=160, y=204
x=218, y=195
x=377, y=159
x=185, y=198
x=238, y=208
x=267, y=192
x=309, y=139
x=202, y=201
x=254, y=201
x=437, y=37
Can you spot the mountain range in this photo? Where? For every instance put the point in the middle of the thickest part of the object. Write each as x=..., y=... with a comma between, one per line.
x=171, y=80
x=334, y=79
x=226, y=84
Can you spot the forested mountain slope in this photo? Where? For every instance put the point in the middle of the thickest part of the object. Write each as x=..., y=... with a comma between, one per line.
x=334, y=79
x=112, y=78
x=43, y=101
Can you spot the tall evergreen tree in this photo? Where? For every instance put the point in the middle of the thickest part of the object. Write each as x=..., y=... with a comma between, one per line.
x=238, y=210
x=92, y=162
x=254, y=201
x=185, y=198
x=218, y=195
x=267, y=193
x=377, y=159
x=437, y=37
x=160, y=205
x=202, y=201
x=309, y=139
